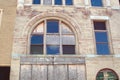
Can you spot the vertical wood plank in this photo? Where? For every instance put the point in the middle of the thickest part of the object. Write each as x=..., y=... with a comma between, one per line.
x=60, y=72
x=57, y=72
x=50, y=72
x=80, y=72
x=25, y=73
x=72, y=72
x=39, y=72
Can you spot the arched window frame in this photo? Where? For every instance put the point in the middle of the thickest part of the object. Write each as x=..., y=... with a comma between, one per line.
x=105, y=70
x=60, y=21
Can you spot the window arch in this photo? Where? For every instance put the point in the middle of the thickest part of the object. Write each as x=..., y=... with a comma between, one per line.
x=52, y=37
x=106, y=74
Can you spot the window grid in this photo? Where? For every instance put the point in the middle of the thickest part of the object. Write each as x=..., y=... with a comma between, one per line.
x=107, y=74
x=53, y=2
x=60, y=34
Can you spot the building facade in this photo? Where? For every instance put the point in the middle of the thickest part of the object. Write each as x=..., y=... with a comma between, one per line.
x=60, y=39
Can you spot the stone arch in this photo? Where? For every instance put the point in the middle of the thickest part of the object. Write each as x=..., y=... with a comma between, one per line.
x=39, y=18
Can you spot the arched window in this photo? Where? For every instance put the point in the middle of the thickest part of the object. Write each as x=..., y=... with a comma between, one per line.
x=106, y=74
x=52, y=37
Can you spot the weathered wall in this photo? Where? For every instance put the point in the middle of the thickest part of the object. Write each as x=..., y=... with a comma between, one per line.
x=79, y=15
x=6, y=30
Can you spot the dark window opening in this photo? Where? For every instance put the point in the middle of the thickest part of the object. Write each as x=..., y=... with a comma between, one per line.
x=36, y=1
x=99, y=25
x=4, y=73
x=68, y=49
x=96, y=3
x=69, y=2
x=36, y=49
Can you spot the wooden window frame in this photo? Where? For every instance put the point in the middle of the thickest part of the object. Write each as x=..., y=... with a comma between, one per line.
x=108, y=42
x=59, y=34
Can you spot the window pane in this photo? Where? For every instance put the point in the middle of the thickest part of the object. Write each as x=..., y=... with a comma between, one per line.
x=96, y=2
x=52, y=26
x=52, y=49
x=65, y=29
x=36, y=49
x=68, y=49
x=39, y=28
x=101, y=37
x=102, y=49
x=58, y=2
x=99, y=25
x=69, y=2
x=37, y=39
x=100, y=76
x=36, y=1
x=111, y=76
x=47, y=2
x=68, y=39
x=53, y=39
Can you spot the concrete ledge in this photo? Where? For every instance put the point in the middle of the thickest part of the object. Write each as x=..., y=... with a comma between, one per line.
x=51, y=60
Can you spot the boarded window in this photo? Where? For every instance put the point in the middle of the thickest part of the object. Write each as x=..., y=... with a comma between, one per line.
x=47, y=2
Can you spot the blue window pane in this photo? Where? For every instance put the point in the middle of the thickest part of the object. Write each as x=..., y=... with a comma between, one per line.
x=58, y=2
x=36, y=1
x=102, y=49
x=96, y=2
x=101, y=37
x=37, y=39
x=52, y=26
x=69, y=2
x=52, y=49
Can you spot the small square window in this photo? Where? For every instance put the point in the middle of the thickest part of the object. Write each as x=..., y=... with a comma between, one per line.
x=68, y=49
x=37, y=39
x=102, y=49
x=53, y=49
x=36, y=1
x=58, y=2
x=69, y=2
x=101, y=37
x=96, y=3
x=99, y=25
x=36, y=49
x=52, y=26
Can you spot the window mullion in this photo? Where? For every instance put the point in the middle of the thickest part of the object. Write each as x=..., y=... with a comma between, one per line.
x=41, y=2
x=53, y=2
x=45, y=30
x=63, y=2
x=61, y=52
